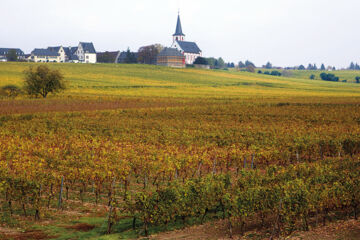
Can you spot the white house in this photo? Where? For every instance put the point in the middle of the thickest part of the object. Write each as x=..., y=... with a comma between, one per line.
x=61, y=51
x=4, y=51
x=86, y=52
x=190, y=50
x=44, y=55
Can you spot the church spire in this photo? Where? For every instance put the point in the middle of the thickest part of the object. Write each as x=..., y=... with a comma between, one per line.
x=178, y=31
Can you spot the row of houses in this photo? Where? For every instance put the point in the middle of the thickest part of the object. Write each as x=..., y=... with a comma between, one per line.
x=5, y=51
x=83, y=53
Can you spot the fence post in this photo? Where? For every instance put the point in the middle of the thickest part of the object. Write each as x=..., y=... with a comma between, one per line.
x=252, y=161
x=214, y=166
x=61, y=190
x=297, y=156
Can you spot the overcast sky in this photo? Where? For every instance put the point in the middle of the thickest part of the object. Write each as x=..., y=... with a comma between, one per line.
x=285, y=32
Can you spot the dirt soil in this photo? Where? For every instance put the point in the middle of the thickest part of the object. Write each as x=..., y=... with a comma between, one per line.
x=341, y=230
x=83, y=227
x=27, y=235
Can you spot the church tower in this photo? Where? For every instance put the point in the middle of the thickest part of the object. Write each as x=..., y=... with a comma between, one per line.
x=178, y=35
x=189, y=50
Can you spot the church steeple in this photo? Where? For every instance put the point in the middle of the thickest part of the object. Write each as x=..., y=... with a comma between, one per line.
x=178, y=35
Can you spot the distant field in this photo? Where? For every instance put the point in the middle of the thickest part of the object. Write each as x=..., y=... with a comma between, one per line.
x=145, y=81
x=348, y=75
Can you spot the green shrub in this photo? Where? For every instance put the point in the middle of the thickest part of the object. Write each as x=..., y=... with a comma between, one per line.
x=10, y=91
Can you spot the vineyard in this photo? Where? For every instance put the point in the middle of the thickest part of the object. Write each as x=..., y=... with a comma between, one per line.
x=282, y=162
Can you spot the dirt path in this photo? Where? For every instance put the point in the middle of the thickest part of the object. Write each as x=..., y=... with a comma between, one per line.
x=342, y=230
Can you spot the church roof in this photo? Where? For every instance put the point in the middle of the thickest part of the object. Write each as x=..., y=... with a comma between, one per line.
x=167, y=52
x=189, y=47
x=178, y=30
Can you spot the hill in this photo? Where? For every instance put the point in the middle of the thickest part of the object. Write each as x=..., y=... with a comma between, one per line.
x=348, y=75
x=145, y=80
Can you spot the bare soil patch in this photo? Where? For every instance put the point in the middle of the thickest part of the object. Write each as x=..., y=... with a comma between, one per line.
x=83, y=227
x=27, y=235
x=341, y=230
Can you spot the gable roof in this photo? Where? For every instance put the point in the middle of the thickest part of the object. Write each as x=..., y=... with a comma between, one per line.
x=44, y=52
x=170, y=52
x=73, y=57
x=189, y=47
x=54, y=49
x=70, y=50
x=178, y=30
x=88, y=47
x=4, y=51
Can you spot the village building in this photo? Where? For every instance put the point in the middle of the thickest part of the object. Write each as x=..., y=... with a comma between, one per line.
x=4, y=52
x=171, y=57
x=44, y=55
x=190, y=50
x=84, y=52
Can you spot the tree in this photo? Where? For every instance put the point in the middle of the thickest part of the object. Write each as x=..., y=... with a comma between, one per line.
x=11, y=56
x=232, y=65
x=329, y=77
x=357, y=67
x=130, y=57
x=241, y=65
x=105, y=57
x=42, y=81
x=211, y=62
x=221, y=63
x=275, y=73
x=10, y=90
x=248, y=63
x=352, y=66
x=268, y=65
x=312, y=77
x=315, y=67
x=357, y=79
x=148, y=54
x=322, y=68
x=310, y=67
x=201, y=61
x=301, y=67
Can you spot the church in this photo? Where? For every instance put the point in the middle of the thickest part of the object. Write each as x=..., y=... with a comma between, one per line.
x=189, y=49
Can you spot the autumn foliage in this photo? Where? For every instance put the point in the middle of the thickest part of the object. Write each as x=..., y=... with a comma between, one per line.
x=279, y=162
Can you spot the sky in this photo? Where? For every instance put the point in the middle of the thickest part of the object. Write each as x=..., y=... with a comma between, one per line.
x=284, y=32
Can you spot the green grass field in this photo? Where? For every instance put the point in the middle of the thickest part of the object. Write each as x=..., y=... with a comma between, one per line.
x=146, y=81
x=348, y=75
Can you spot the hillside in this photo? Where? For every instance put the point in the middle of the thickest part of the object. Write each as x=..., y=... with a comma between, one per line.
x=348, y=75
x=145, y=80
x=137, y=150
